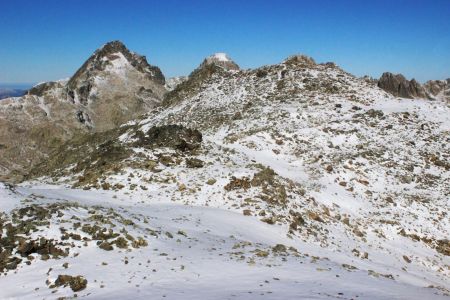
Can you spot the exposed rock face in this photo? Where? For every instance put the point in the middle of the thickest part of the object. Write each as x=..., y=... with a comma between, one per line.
x=111, y=77
x=173, y=82
x=76, y=283
x=41, y=88
x=370, y=79
x=113, y=86
x=440, y=89
x=399, y=86
x=108, y=53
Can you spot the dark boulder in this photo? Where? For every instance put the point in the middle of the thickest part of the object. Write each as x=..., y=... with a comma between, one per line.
x=76, y=283
x=172, y=136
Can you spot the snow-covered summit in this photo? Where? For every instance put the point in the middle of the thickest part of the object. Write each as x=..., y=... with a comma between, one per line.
x=221, y=60
x=221, y=56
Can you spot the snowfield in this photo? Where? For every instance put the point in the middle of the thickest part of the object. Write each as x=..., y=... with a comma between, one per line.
x=213, y=258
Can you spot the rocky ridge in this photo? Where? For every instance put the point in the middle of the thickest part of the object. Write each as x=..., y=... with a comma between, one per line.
x=399, y=86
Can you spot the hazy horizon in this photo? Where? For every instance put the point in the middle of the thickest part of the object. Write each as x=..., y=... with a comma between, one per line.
x=16, y=85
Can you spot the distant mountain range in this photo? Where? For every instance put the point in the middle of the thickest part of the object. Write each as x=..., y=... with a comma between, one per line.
x=9, y=92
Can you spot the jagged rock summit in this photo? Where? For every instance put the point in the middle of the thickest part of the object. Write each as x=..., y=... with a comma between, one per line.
x=111, y=76
x=112, y=87
x=214, y=63
x=399, y=86
x=112, y=51
x=218, y=63
x=116, y=59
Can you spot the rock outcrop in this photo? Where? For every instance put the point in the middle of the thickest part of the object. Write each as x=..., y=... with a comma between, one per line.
x=399, y=86
x=300, y=60
x=439, y=89
x=173, y=82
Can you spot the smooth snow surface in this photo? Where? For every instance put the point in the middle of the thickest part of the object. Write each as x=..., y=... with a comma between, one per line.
x=200, y=265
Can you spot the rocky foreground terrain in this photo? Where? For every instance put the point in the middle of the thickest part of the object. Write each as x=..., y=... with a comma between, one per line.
x=291, y=181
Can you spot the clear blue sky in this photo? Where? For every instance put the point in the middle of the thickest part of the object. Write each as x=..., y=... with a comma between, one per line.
x=48, y=40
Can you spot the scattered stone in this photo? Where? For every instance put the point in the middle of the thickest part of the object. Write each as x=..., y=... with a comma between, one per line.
x=194, y=163
x=211, y=181
x=76, y=283
x=106, y=246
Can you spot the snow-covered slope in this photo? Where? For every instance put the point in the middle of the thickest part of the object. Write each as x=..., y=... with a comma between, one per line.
x=305, y=152
x=189, y=253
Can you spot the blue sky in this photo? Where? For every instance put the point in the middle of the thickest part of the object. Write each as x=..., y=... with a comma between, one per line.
x=48, y=40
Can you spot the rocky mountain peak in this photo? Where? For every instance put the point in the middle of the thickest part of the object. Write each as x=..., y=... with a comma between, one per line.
x=115, y=54
x=114, y=72
x=112, y=87
x=221, y=60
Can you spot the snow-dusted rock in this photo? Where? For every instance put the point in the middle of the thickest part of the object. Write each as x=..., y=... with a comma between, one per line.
x=112, y=87
x=221, y=60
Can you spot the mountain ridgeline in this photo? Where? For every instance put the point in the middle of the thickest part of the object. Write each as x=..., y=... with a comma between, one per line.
x=115, y=86
x=399, y=86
